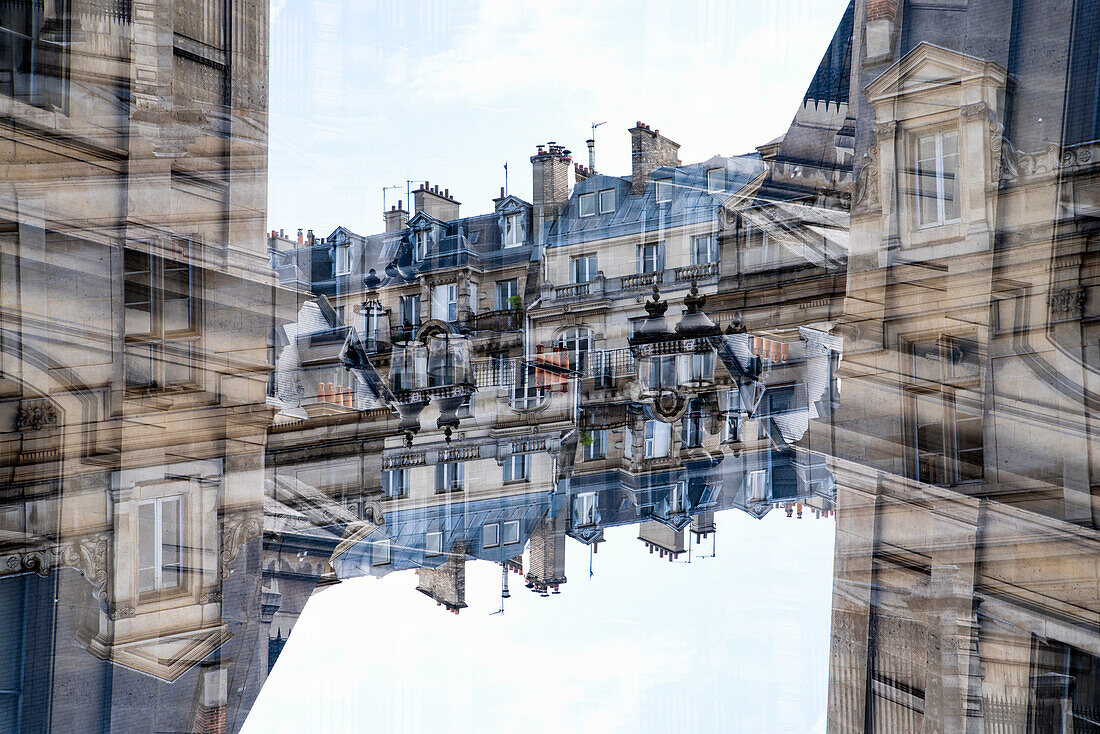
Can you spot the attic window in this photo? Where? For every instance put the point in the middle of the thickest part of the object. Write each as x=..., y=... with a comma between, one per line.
x=512, y=233
x=475, y=236
x=607, y=201
x=343, y=261
x=587, y=204
x=715, y=180
x=663, y=191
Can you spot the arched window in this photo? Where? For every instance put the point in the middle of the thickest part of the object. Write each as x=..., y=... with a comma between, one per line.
x=577, y=342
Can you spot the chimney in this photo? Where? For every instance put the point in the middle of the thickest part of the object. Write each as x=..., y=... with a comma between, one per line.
x=591, y=154
x=550, y=168
x=447, y=583
x=396, y=218
x=435, y=203
x=649, y=150
x=309, y=237
x=300, y=238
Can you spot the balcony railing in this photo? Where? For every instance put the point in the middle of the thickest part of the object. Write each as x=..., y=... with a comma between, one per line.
x=603, y=364
x=696, y=272
x=641, y=280
x=576, y=290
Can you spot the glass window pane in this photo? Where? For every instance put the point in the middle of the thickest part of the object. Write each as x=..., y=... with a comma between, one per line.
x=490, y=536
x=510, y=532
x=147, y=546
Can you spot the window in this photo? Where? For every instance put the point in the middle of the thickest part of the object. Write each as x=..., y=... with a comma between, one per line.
x=34, y=57
x=607, y=201
x=473, y=297
x=582, y=269
x=945, y=411
x=578, y=343
x=380, y=552
x=342, y=266
x=691, y=426
x=506, y=291
x=525, y=393
x=395, y=482
x=512, y=234
x=160, y=544
x=756, y=485
x=704, y=249
x=587, y=204
x=594, y=444
x=584, y=509
x=517, y=468
x=423, y=241
x=449, y=477
x=409, y=310
x=716, y=179
x=663, y=191
x=936, y=167
x=490, y=535
x=651, y=257
x=731, y=429
x=445, y=302
x=509, y=534
x=676, y=497
x=659, y=372
x=697, y=367
x=159, y=303
x=433, y=544
x=657, y=434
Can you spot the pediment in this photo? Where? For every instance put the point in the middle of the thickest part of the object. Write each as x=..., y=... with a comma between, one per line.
x=420, y=220
x=163, y=656
x=511, y=203
x=928, y=67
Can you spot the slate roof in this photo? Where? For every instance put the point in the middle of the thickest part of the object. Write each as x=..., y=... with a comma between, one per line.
x=691, y=202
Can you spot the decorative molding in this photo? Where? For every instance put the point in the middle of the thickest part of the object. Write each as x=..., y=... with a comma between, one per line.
x=34, y=415
x=974, y=109
x=1066, y=302
x=118, y=612
x=1018, y=166
x=87, y=555
x=211, y=597
x=234, y=536
x=886, y=130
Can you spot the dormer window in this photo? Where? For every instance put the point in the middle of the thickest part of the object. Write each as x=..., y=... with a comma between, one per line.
x=423, y=240
x=587, y=204
x=937, y=160
x=342, y=266
x=607, y=201
x=663, y=190
x=716, y=180
x=512, y=233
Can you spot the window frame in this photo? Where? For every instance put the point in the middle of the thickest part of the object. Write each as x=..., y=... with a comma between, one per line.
x=600, y=201
x=586, y=203
x=341, y=261
x=663, y=191
x=598, y=442
x=644, y=259
x=942, y=218
x=711, y=249
x=516, y=468
x=445, y=484
x=513, y=288
x=159, y=566
x=432, y=550
x=509, y=234
x=590, y=268
x=710, y=183
x=164, y=348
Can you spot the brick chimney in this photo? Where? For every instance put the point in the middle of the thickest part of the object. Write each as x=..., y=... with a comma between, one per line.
x=550, y=169
x=436, y=203
x=447, y=583
x=396, y=218
x=649, y=150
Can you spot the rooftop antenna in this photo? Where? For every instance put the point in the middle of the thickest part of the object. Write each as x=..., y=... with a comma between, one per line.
x=408, y=190
x=384, y=190
x=592, y=147
x=505, y=178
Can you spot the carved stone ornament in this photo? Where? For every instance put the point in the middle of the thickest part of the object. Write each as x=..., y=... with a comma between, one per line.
x=1067, y=301
x=234, y=536
x=866, y=197
x=123, y=612
x=974, y=109
x=36, y=415
x=87, y=555
x=885, y=130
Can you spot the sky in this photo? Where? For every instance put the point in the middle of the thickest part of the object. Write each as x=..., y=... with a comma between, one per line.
x=366, y=94
x=736, y=642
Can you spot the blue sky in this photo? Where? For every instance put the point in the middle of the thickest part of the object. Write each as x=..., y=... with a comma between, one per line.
x=734, y=643
x=370, y=93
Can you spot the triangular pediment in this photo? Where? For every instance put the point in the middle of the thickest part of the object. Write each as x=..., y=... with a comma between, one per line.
x=511, y=203
x=421, y=220
x=927, y=67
